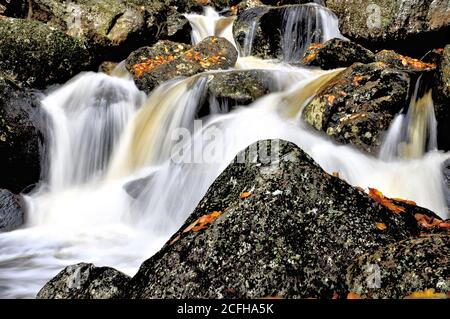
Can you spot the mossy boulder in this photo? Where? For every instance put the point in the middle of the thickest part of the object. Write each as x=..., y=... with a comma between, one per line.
x=150, y=66
x=21, y=137
x=410, y=27
x=402, y=269
x=357, y=106
x=85, y=281
x=11, y=211
x=284, y=228
x=38, y=55
x=336, y=53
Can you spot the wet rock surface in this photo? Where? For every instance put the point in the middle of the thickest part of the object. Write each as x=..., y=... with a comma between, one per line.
x=21, y=137
x=85, y=281
x=11, y=211
x=38, y=55
x=150, y=66
x=396, y=24
x=358, y=105
x=441, y=97
x=401, y=269
x=285, y=228
x=269, y=27
x=336, y=53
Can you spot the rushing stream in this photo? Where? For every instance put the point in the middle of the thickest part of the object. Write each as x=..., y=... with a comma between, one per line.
x=107, y=135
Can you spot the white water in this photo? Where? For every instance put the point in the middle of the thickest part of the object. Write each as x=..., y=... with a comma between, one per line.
x=83, y=212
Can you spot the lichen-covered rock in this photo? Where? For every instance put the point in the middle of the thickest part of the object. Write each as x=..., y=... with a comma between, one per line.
x=283, y=32
x=38, y=55
x=11, y=211
x=281, y=227
x=404, y=63
x=401, y=269
x=358, y=105
x=85, y=281
x=150, y=66
x=21, y=135
x=411, y=27
x=336, y=53
x=240, y=87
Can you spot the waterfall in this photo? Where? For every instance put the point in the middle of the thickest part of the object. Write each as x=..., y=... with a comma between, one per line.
x=88, y=116
x=414, y=134
x=302, y=26
x=126, y=170
x=305, y=25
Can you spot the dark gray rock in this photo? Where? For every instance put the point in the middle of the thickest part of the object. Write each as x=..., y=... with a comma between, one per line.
x=398, y=270
x=411, y=27
x=85, y=281
x=11, y=211
x=21, y=137
x=441, y=97
x=150, y=66
x=38, y=55
x=294, y=236
x=358, y=105
x=336, y=53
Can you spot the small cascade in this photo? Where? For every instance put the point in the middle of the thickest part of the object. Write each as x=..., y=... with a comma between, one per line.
x=148, y=137
x=249, y=38
x=210, y=24
x=413, y=134
x=126, y=170
x=304, y=25
x=88, y=116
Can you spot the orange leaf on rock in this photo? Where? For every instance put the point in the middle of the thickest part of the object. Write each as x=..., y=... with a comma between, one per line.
x=201, y=223
x=245, y=195
x=427, y=294
x=352, y=295
x=330, y=99
x=431, y=222
x=357, y=79
x=381, y=226
x=386, y=202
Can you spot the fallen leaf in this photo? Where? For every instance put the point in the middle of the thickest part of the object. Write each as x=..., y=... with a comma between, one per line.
x=175, y=240
x=201, y=223
x=431, y=222
x=381, y=226
x=245, y=195
x=357, y=79
x=335, y=295
x=330, y=99
x=352, y=295
x=427, y=294
x=386, y=202
x=336, y=174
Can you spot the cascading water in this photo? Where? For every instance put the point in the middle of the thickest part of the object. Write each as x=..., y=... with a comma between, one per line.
x=302, y=26
x=122, y=181
x=413, y=134
x=305, y=25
